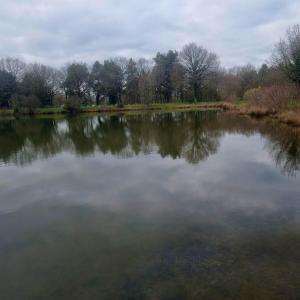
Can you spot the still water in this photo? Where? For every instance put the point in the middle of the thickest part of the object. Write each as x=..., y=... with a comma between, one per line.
x=199, y=205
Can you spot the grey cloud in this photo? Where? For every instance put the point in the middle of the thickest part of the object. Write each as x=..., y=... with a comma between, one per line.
x=58, y=31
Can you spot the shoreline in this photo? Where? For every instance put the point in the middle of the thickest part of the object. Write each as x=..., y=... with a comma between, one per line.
x=289, y=117
x=116, y=109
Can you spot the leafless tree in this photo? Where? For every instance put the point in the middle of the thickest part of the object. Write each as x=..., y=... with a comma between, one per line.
x=199, y=64
x=146, y=89
x=122, y=62
x=14, y=66
x=286, y=54
x=52, y=77
x=144, y=65
x=246, y=76
x=145, y=84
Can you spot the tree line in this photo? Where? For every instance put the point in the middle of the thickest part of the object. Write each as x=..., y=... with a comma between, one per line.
x=190, y=75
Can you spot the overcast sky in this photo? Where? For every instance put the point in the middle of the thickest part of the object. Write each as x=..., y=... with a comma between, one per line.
x=57, y=31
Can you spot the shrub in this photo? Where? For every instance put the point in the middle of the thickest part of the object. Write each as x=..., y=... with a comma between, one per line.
x=276, y=97
x=254, y=96
x=26, y=104
x=232, y=98
x=73, y=105
x=59, y=100
x=228, y=106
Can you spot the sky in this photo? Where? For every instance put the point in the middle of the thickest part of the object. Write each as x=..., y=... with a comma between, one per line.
x=58, y=31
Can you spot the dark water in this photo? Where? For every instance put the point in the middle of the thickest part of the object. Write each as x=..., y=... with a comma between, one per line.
x=154, y=206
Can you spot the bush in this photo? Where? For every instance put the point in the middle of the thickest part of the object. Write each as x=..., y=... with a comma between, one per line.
x=232, y=98
x=73, y=105
x=276, y=97
x=59, y=100
x=26, y=104
x=254, y=96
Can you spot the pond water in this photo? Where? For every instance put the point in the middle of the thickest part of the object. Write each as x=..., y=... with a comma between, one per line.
x=198, y=205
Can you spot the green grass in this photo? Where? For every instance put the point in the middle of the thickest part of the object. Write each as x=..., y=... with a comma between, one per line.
x=146, y=107
x=241, y=104
x=6, y=112
x=50, y=110
x=129, y=107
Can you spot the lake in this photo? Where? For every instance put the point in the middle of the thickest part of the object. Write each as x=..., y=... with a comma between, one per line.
x=194, y=205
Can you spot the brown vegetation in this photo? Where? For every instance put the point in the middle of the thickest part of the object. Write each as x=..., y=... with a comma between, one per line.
x=256, y=111
x=275, y=97
x=290, y=117
x=280, y=101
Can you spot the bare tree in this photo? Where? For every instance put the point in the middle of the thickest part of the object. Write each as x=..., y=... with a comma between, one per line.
x=14, y=66
x=199, y=64
x=52, y=77
x=122, y=63
x=246, y=76
x=42, y=82
x=145, y=81
x=146, y=89
x=286, y=54
x=144, y=65
x=145, y=84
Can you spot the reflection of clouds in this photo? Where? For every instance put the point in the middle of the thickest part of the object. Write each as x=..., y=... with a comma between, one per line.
x=85, y=165
x=148, y=185
x=236, y=182
x=62, y=127
x=83, y=211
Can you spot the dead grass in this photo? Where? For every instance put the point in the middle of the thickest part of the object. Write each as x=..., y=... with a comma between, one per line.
x=290, y=117
x=256, y=111
x=229, y=106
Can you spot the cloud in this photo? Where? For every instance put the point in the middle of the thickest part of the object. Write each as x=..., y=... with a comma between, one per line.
x=56, y=31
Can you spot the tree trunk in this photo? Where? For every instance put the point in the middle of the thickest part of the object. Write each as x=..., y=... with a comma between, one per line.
x=98, y=98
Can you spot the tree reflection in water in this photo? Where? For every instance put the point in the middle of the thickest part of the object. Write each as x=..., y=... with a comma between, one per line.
x=193, y=136
x=160, y=225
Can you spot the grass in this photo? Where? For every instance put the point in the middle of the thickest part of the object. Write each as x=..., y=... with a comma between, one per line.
x=6, y=112
x=130, y=107
x=155, y=106
x=256, y=111
x=290, y=115
x=50, y=110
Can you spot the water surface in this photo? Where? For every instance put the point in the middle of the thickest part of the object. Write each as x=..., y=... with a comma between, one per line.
x=198, y=205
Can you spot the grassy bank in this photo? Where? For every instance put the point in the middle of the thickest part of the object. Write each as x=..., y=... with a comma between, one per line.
x=125, y=108
x=289, y=116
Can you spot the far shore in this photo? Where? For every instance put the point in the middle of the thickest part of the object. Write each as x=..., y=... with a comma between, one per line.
x=290, y=116
x=56, y=110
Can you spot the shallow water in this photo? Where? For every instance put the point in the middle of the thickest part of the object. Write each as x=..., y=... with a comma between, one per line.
x=197, y=205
